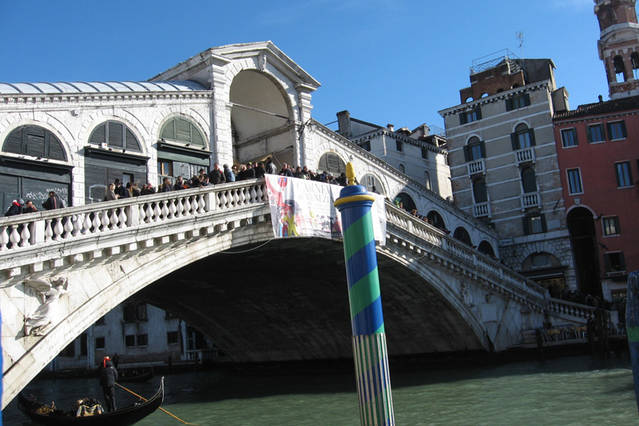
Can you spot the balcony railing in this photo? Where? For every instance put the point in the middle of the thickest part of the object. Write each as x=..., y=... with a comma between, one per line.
x=476, y=167
x=481, y=209
x=530, y=199
x=526, y=155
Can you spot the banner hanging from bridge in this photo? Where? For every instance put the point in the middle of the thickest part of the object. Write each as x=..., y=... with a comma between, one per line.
x=304, y=208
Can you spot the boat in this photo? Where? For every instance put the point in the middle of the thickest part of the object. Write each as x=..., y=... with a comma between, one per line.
x=121, y=417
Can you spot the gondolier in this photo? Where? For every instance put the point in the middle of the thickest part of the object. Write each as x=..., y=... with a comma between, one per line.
x=108, y=377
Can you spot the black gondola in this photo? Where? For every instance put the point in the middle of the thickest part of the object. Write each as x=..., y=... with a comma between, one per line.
x=123, y=416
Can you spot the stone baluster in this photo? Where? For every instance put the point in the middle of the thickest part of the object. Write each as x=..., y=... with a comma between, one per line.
x=173, y=206
x=241, y=198
x=149, y=213
x=25, y=235
x=260, y=193
x=88, y=223
x=253, y=194
x=14, y=236
x=68, y=227
x=165, y=211
x=222, y=202
x=113, y=219
x=122, y=219
x=187, y=207
x=104, y=219
x=58, y=229
x=4, y=238
x=157, y=212
x=138, y=212
x=48, y=230
x=201, y=204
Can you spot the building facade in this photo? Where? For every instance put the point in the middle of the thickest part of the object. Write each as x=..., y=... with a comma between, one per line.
x=504, y=166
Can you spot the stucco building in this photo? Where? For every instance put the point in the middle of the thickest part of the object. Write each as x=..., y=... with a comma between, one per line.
x=504, y=166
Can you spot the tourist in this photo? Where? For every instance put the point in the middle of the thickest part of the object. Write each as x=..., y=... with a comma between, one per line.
x=270, y=167
x=53, y=202
x=147, y=189
x=216, y=175
x=110, y=193
x=166, y=185
x=179, y=183
x=135, y=190
x=229, y=176
x=29, y=207
x=260, y=171
x=15, y=208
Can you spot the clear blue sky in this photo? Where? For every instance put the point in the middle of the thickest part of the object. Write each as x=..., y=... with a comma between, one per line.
x=386, y=61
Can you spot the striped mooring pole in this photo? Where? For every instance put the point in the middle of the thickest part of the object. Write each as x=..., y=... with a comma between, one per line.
x=632, y=327
x=369, y=339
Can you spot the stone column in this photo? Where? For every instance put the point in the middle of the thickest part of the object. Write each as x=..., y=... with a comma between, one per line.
x=302, y=130
x=221, y=137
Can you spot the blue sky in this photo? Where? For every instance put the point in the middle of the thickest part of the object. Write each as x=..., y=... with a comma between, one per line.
x=386, y=61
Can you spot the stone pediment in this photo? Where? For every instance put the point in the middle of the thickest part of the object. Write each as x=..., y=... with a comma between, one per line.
x=199, y=67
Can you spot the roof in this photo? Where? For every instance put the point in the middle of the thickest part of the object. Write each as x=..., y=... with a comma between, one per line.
x=615, y=105
x=99, y=87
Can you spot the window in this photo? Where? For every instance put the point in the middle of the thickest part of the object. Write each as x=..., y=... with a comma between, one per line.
x=611, y=226
x=331, y=163
x=142, y=339
x=129, y=340
x=624, y=175
x=115, y=134
x=523, y=137
x=99, y=342
x=569, y=137
x=470, y=116
x=596, y=133
x=534, y=224
x=619, y=69
x=480, y=193
x=528, y=180
x=172, y=337
x=634, y=59
x=617, y=130
x=133, y=312
x=181, y=130
x=399, y=145
x=424, y=152
x=402, y=168
x=614, y=262
x=474, y=149
x=517, y=101
x=34, y=141
x=574, y=182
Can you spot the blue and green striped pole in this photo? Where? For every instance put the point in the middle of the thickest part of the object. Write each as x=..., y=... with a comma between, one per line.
x=369, y=339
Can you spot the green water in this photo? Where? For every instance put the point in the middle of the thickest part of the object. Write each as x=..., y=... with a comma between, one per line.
x=567, y=391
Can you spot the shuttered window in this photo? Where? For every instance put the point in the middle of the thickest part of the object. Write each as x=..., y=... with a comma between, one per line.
x=331, y=163
x=35, y=141
x=115, y=135
x=523, y=137
x=517, y=101
x=182, y=130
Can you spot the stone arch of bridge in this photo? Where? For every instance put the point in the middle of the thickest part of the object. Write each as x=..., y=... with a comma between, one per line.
x=430, y=325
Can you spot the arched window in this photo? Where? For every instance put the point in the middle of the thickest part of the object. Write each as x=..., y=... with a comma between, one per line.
x=620, y=74
x=404, y=201
x=35, y=141
x=183, y=131
x=402, y=168
x=427, y=183
x=462, y=235
x=486, y=248
x=115, y=135
x=331, y=163
x=524, y=137
x=479, y=190
x=436, y=220
x=372, y=184
x=634, y=59
x=474, y=149
x=528, y=180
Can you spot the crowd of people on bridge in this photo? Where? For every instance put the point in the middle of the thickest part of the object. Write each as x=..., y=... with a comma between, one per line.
x=217, y=175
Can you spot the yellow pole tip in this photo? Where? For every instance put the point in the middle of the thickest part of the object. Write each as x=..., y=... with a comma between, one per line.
x=350, y=173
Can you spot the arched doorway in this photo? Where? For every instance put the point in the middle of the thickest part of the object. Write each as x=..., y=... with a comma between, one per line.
x=31, y=176
x=581, y=227
x=404, y=201
x=261, y=119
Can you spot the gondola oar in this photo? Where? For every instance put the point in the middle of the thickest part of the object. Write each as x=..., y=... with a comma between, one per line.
x=144, y=399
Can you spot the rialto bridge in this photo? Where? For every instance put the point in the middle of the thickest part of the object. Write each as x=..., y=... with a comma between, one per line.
x=208, y=254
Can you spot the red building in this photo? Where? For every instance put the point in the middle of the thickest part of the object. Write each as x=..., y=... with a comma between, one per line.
x=598, y=156
x=598, y=153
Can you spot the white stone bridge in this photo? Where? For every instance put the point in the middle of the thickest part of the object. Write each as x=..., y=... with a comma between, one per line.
x=209, y=256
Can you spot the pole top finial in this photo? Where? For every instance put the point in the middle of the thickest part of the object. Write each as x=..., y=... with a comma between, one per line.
x=350, y=173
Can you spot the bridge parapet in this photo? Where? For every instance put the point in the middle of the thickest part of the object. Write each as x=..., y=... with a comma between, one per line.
x=94, y=227
x=565, y=308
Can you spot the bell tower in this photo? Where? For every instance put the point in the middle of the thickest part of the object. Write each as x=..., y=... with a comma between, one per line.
x=618, y=45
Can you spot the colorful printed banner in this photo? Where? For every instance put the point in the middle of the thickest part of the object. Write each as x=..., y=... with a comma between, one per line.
x=304, y=208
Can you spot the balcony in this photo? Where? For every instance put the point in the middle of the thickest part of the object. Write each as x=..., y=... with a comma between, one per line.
x=530, y=199
x=476, y=167
x=526, y=155
x=481, y=209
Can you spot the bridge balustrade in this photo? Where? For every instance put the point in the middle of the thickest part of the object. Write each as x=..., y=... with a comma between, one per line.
x=564, y=307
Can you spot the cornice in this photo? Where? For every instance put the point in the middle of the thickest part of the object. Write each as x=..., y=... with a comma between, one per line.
x=495, y=98
x=405, y=139
x=54, y=98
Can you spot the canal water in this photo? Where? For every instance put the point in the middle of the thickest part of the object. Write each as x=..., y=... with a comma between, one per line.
x=574, y=390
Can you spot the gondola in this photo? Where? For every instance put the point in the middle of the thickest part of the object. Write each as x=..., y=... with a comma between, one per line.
x=123, y=416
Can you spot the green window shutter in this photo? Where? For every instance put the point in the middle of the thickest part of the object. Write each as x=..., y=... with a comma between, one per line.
x=482, y=146
x=168, y=131
x=509, y=104
x=532, y=136
x=115, y=134
x=132, y=142
x=99, y=135
x=514, y=141
x=13, y=142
